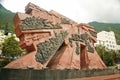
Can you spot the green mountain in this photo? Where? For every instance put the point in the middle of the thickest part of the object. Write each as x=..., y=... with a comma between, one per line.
x=99, y=26
x=6, y=19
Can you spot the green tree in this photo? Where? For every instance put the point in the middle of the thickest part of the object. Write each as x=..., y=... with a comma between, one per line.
x=117, y=57
x=106, y=55
x=11, y=47
x=101, y=50
x=109, y=58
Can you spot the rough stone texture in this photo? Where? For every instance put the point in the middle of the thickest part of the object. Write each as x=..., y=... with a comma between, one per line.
x=47, y=47
x=28, y=60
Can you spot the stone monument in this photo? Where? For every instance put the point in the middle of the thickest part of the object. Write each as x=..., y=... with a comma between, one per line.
x=54, y=41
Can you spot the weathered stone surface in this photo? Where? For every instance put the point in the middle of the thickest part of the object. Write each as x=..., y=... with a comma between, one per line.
x=32, y=23
x=27, y=61
x=47, y=48
x=42, y=34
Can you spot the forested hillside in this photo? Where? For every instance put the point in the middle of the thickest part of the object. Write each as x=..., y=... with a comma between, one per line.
x=6, y=19
x=108, y=27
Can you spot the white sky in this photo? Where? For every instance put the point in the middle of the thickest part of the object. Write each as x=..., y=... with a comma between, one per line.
x=81, y=11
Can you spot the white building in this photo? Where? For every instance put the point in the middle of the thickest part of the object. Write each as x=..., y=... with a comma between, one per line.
x=107, y=39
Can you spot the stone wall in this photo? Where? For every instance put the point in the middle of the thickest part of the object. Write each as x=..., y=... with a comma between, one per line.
x=31, y=74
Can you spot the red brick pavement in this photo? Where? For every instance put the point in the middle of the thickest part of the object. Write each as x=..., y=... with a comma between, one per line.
x=108, y=77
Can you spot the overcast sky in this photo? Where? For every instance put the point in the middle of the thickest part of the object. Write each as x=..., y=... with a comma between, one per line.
x=81, y=11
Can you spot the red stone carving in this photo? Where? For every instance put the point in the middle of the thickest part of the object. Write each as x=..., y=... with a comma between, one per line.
x=66, y=57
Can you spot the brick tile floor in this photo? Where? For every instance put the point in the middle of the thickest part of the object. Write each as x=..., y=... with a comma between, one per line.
x=108, y=77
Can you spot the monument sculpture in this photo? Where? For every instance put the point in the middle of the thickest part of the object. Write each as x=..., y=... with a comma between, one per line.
x=54, y=41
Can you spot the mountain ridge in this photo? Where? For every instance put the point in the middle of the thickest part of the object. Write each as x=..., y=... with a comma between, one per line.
x=6, y=19
x=103, y=22
x=100, y=26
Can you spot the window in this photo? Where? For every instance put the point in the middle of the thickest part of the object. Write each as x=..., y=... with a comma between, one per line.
x=110, y=45
x=112, y=42
x=113, y=46
x=100, y=42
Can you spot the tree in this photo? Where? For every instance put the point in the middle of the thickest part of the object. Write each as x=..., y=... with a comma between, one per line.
x=101, y=50
x=106, y=55
x=109, y=58
x=11, y=47
x=117, y=57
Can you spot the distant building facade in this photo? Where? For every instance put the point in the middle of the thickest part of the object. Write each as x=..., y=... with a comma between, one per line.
x=107, y=39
